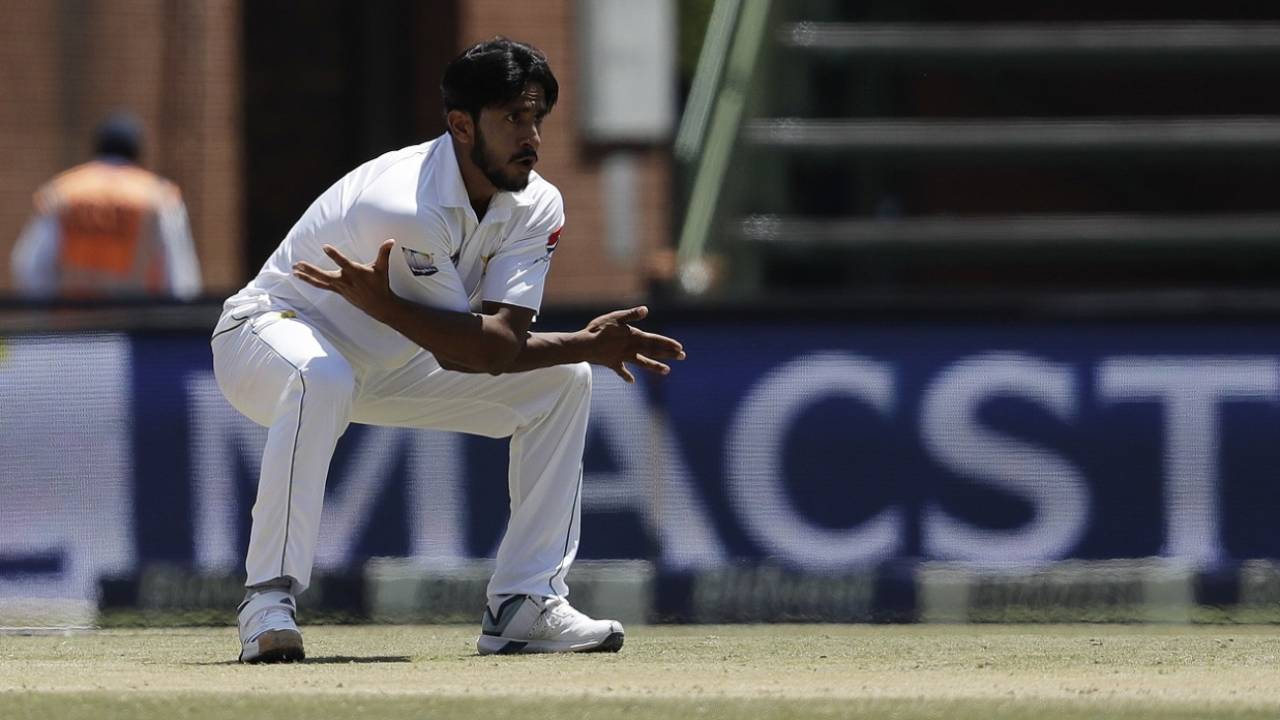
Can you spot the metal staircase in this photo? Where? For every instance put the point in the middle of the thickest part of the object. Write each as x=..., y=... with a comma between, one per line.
x=825, y=154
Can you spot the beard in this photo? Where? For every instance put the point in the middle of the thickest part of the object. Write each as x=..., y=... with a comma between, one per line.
x=495, y=170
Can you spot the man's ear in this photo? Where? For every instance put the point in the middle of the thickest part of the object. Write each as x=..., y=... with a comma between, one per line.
x=461, y=126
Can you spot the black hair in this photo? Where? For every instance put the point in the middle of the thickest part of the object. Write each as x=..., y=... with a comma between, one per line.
x=120, y=136
x=495, y=72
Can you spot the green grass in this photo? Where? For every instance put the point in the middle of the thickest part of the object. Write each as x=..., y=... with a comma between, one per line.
x=979, y=672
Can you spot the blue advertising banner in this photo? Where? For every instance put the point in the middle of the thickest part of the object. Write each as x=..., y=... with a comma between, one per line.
x=832, y=446
x=822, y=447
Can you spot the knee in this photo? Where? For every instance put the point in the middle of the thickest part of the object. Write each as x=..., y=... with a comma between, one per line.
x=578, y=377
x=580, y=383
x=571, y=380
x=329, y=377
x=320, y=388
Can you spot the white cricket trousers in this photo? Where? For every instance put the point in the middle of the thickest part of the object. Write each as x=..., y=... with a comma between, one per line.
x=280, y=372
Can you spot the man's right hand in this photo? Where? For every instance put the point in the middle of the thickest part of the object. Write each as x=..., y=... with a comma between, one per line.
x=367, y=286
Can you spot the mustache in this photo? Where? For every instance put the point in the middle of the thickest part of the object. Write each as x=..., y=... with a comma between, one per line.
x=525, y=154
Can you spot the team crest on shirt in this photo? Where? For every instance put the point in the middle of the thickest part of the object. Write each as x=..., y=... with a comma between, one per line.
x=552, y=240
x=420, y=263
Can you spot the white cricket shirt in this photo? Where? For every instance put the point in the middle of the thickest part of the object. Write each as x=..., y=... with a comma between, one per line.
x=443, y=258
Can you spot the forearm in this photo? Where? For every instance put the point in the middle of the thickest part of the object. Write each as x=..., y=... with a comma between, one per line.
x=540, y=350
x=460, y=340
x=546, y=349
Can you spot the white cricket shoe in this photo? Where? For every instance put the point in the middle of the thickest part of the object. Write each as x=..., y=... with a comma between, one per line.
x=268, y=632
x=534, y=624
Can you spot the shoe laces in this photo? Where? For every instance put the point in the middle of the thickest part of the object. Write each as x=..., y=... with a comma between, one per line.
x=560, y=614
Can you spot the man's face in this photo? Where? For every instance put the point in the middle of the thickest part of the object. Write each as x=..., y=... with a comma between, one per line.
x=508, y=137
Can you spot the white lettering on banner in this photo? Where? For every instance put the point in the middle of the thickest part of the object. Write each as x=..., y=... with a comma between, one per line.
x=437, y=502
x=652, y=479
x=66, y=438
x=433, y=470
x=952, y=434
x=223, y=441
x=754, y=452
x=1190, y=389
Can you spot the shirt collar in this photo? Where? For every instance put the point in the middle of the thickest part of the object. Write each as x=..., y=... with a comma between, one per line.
x=450, y=191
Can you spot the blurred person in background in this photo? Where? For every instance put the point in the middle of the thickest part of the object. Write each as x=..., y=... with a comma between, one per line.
x=403, y=297
x=108, y=228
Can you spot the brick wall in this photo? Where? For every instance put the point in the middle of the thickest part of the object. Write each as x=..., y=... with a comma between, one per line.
x=66, y=65
x=30, y=129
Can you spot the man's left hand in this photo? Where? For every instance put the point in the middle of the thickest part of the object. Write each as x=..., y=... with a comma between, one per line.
x=614, y=343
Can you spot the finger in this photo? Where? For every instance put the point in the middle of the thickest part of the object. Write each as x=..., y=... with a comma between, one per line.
x=316, y=283
x=316, y=270
x=661, y=350
x=313, y=279
x=666, y=347
x=635, y=314
x=629, y=315
x=342, y=260
x=384, y=256
x=659, y=345
x=306, y=270
x=624, y=373
x=651, y=365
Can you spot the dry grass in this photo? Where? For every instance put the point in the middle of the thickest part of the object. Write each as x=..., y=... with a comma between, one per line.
x=990, y=672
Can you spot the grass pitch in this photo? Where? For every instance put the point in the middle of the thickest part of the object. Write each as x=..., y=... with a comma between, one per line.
x=975, y=672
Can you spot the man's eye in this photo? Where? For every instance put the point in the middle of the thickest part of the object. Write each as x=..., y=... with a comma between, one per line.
x=513, y=117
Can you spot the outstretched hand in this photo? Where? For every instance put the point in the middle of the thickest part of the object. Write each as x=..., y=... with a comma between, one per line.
x=615, y=343
x=365, y=285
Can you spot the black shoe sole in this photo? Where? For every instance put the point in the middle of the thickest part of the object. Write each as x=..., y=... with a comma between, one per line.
x=613, y=643
x=280, y=646
x=283, y=655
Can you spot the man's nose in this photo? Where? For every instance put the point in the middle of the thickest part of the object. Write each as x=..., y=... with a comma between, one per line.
x=532, y=139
